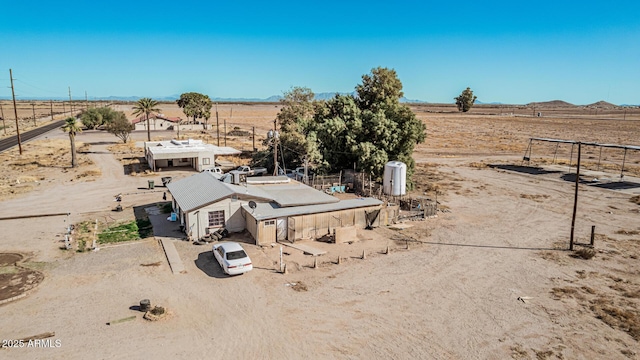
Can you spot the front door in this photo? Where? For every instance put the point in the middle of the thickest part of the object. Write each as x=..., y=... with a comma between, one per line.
x=281, y=229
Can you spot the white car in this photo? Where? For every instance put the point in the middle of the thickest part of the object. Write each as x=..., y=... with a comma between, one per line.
x=232, y=258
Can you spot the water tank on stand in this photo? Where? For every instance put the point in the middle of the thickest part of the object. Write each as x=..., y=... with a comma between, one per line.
x=395, y=178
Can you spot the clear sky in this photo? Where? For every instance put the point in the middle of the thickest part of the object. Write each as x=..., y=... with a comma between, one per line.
x=506, y=51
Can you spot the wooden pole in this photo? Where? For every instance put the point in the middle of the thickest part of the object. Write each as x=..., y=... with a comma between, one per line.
x=275, y=148
x=623, y=162
x=225, y=132
x=575, y=199
x=15, y=111
x=254, y=137
x=33, y=107
x=217, y=125
x=51, y=103
x=593, y=234
x=4, y=125
x=71, y=103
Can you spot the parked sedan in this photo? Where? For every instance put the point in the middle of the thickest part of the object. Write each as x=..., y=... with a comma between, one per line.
x=232, y=258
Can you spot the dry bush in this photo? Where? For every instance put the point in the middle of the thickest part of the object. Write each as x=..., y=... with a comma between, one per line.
x=566, y=292
x=614, y=315
x=478, y=165
x=534, y=197
x=628, y=232
x=299, y=286
x=584, y=253
x=635, y=199
x=92, y=173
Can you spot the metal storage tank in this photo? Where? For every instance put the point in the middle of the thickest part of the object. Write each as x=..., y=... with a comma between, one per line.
x=395, y=178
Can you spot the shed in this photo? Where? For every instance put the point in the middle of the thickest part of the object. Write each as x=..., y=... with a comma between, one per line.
x=269, y=222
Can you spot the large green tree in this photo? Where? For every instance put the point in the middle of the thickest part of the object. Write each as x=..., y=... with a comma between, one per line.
x=365, y=130
x=71, y=127
x=196, y=105
x=465, y=100
x=297, y=139
x=95, y=117
x=120, y=126
x=146, y=106
x=371, y=128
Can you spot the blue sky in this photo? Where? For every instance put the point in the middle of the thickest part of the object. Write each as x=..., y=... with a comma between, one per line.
x=509, y=52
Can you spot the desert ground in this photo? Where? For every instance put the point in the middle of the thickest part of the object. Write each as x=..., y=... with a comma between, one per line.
x=490, y=277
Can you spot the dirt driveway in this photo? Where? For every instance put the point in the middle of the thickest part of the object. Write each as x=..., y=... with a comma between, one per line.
x=490, y=279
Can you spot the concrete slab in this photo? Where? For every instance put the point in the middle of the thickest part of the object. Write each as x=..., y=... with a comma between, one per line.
x=309, y=250
x=171, y=253
x=400, y=226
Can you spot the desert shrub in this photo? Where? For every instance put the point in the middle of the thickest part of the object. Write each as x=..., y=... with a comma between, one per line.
x=585, y=253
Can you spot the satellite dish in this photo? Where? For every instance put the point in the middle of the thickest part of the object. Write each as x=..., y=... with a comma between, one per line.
x=252, y=204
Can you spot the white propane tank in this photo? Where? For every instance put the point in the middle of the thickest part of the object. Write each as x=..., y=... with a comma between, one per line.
x=395, y=178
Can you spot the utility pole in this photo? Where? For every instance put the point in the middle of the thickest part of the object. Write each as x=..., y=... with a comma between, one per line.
x=70, y=101
x=306, y=171
x=15, y=111
x=64, y=109
x=86, y=101
x=33, y=107
x=225, y=132
x=253, y=128
x=51, y=103
x=575, y=199
x=275, y=147
x=4, y=126
x=217, y=125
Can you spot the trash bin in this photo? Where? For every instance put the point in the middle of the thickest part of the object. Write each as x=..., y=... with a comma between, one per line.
x=151, y=184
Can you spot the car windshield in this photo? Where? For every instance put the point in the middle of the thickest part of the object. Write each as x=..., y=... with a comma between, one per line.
x=235, y=255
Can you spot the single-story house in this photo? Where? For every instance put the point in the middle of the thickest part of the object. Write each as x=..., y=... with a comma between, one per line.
x=176, y=153
x=271, y=208
x=156, y=122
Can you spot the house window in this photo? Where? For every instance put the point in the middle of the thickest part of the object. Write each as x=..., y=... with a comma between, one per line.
x=206, y=161
x=269, y=223
x=216, y=218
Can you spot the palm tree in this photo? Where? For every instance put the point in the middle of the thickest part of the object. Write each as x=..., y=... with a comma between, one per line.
x=146, y=106
x=71, y=127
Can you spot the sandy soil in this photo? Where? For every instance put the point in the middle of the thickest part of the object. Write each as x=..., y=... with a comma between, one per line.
x=490, y=279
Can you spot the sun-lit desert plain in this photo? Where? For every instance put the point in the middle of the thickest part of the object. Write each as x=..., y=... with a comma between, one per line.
x=490, y=277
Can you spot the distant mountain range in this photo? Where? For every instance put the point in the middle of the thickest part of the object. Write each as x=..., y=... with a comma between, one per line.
x=321, y=96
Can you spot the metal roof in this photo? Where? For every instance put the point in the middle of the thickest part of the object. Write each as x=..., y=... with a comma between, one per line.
x=616, y=146
x=204, y=188
x=265, y=211
x=296, y=194
x=187, y=147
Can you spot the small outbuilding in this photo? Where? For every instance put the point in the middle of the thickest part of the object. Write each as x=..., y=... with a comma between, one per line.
x=156, y=122
x=182, y=153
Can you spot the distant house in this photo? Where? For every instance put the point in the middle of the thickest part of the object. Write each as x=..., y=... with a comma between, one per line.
x=182, y=153
x=271, y=208
x=156, y=122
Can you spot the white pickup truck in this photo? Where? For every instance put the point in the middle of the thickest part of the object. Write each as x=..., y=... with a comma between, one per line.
x=216, y=171
x=258, y=171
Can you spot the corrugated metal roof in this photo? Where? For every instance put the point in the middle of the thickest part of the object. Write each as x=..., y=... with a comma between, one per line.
x=203, y=189
x=297, y=194
x=265, y=211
